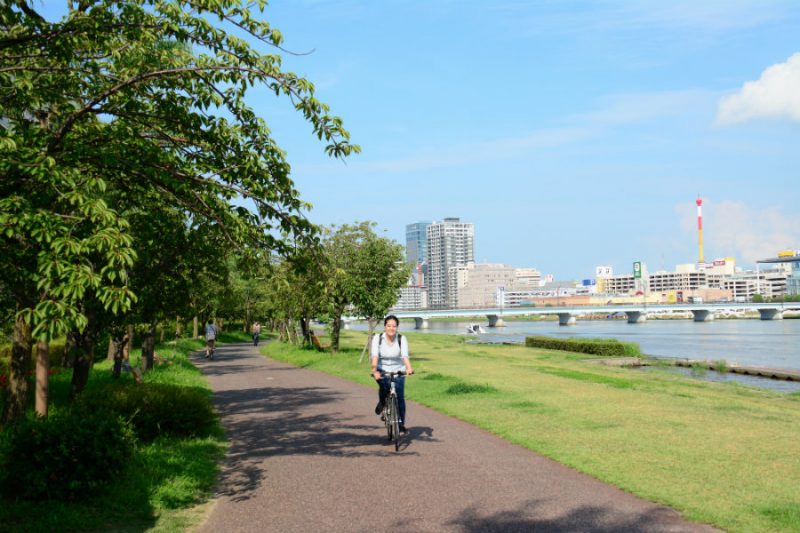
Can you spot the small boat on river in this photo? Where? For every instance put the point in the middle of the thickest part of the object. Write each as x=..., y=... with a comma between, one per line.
x=475, y=329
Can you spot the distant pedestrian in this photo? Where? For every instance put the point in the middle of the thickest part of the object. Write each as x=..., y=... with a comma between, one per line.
x=256, y=333
x=211, y=339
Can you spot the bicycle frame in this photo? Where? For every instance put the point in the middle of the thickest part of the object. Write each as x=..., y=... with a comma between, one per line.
x=391, y=414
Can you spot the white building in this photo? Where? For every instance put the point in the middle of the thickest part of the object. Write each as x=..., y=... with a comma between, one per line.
x=486, y=285
x=450, y=244
x=411, y=299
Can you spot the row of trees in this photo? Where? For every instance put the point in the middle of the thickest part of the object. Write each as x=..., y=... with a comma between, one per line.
x=129, y=155
x=353, y=270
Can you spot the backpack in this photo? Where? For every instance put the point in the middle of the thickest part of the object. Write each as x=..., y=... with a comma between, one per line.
x=399, y=343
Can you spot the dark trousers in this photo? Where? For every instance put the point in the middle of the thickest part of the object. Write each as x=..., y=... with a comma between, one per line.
x=383, y=392
x=255, y=339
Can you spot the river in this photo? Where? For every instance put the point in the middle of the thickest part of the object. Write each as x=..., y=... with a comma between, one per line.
x=753, y=342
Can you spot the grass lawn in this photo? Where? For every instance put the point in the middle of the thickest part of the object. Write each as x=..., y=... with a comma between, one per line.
x=167, y=483
x=719, y=453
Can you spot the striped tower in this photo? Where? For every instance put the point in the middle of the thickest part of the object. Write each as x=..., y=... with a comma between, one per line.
x=699, y=203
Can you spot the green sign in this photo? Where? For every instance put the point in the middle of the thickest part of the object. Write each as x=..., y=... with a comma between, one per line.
x=637, y=270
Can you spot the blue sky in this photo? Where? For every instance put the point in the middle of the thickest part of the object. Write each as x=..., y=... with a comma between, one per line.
x=570, y=133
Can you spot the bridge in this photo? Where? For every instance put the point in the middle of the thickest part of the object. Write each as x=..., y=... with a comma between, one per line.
x=636, y=314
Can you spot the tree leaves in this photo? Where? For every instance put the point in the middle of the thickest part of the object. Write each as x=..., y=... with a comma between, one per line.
x=139, y=105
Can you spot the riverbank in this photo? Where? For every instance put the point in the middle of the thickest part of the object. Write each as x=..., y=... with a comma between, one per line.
x=481, y=319
x=719, y=453
x=758, y=343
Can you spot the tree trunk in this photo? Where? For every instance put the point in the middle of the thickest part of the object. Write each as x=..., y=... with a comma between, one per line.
x=335, y=329
x=67, y=361
x=161, y=336
x=82, y=355
x=148, y=347
x=118, y=346
x=305, y=328
x=42, y=377
x=372, y=323
x=129, y=345
x=194, y=328
x=178, y=327
x=17, y=394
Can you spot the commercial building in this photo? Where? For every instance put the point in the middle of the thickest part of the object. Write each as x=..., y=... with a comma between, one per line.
x=788, y=263
x=450, y=243
x=417, y=242
x=417, y=251
x=486, y=285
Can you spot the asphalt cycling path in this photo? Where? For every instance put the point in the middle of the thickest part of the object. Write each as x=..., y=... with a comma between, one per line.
x=308, y=454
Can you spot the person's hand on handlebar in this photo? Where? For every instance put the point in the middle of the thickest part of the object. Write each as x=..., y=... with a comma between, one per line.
x=376, y=374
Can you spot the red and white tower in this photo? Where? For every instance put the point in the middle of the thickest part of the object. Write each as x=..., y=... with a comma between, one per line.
x=699, y=203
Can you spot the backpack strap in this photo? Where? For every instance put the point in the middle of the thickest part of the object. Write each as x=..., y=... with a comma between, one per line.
x=399, y=343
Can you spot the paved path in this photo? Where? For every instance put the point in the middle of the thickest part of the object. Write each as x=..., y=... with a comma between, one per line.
x=308, y=454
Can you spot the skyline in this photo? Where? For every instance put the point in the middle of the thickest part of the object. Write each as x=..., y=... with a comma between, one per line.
x=570, y=134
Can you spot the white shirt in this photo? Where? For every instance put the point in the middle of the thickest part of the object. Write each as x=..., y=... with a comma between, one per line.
x=390, y=358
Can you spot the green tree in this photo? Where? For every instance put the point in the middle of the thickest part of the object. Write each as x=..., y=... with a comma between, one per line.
x=127, y=99
x=367, y=272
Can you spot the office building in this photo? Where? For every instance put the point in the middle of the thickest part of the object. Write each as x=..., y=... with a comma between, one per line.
x=485, y=285
x=417, y=242
x=417, y=251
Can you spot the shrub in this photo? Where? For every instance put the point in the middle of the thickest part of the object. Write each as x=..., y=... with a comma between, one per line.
x=604, y=347
x=154, y=409
x=68, y=456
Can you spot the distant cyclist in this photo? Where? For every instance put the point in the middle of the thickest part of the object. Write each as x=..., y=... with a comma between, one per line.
x=211, y=339
x=389, y=353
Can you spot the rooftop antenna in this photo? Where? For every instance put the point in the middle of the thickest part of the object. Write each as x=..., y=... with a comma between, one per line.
x=699, y=203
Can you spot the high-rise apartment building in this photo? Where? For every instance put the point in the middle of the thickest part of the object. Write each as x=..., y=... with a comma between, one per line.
x=450, y=243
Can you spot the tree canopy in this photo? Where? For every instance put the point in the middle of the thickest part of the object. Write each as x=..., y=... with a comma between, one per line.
x=124, y=109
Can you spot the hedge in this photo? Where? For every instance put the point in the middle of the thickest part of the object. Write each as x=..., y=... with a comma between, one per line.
x=604, y=347
x=55, y=355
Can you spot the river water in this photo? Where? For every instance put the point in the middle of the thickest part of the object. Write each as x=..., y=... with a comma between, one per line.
x=753, y=342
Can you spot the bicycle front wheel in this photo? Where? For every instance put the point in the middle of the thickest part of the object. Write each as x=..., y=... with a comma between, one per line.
x=388, y=415
x=395, y=423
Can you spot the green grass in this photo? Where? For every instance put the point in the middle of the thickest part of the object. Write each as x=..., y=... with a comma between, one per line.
x=167, y=484
x=719, y=453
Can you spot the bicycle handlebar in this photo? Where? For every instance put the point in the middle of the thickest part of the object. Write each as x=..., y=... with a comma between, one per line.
x=393, y=374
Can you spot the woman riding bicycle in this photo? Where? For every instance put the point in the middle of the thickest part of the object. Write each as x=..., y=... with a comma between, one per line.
x=389, y=353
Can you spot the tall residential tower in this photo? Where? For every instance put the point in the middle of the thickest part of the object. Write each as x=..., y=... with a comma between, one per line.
x=450, y=244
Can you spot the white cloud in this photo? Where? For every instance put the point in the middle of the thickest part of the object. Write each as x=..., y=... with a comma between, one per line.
x=776, y=94
x=632, y=108
x=732, y=228
x=465, y=155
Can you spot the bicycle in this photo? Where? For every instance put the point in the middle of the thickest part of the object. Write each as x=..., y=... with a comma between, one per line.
x=211, y=345
x=391, y=412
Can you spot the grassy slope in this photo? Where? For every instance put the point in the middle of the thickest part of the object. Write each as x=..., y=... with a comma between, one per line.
x=720, y=453
x=168, y=481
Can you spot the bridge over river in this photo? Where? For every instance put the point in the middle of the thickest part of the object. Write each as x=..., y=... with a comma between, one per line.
x=636, y=314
